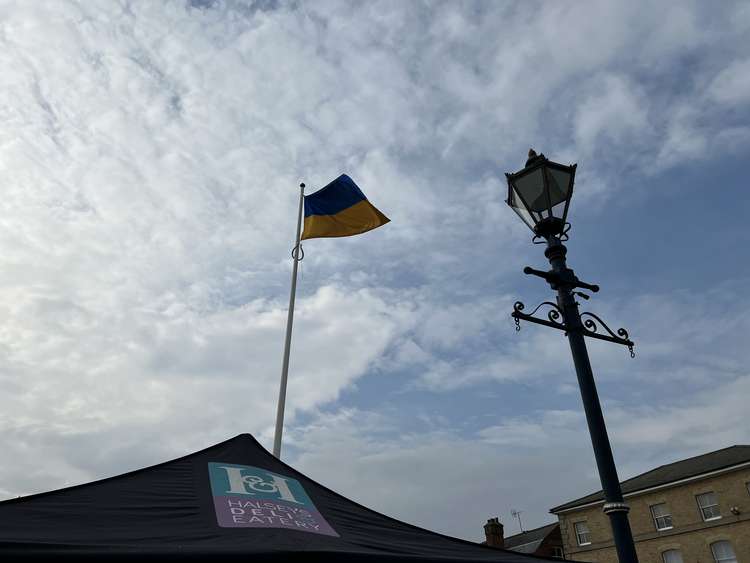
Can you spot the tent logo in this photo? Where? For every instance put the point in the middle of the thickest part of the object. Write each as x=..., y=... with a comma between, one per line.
x=250, y=497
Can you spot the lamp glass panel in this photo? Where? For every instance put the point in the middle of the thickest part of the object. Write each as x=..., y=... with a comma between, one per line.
x=531, y=188
x=559, y=185
x=518, y=207
x=559, y=210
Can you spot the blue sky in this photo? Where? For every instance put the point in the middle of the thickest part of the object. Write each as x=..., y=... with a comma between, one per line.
x=150, y=154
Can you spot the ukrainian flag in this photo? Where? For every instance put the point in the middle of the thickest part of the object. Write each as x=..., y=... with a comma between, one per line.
x=340, y=209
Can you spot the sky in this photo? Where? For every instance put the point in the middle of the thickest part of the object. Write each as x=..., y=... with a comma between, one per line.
x=150, y=154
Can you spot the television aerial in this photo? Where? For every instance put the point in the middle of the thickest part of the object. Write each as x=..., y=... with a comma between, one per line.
x=517, y=515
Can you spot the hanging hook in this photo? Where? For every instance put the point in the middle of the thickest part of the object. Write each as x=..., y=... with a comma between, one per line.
x=298, y=251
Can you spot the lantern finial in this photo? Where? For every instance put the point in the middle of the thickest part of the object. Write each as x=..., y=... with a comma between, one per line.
x=532, y=156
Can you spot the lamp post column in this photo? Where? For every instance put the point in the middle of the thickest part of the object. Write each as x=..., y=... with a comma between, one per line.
x=614, y=505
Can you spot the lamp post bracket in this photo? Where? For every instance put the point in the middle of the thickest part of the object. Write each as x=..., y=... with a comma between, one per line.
x=591, y=324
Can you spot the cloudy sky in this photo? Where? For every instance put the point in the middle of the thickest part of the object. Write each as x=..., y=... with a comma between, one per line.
x=150, y=154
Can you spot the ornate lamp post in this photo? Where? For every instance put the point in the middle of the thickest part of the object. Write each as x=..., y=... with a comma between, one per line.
x=540, y=194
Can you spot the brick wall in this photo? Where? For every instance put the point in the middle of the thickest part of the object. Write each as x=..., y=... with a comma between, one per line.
x=690, y=534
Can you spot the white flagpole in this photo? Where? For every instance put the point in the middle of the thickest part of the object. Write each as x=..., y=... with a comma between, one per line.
x=288, y=341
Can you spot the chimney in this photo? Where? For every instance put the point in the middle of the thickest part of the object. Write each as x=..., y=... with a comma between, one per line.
x=493, y=531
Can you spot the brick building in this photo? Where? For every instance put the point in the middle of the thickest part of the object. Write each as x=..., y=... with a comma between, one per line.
x=692, y=511
x=544, y=541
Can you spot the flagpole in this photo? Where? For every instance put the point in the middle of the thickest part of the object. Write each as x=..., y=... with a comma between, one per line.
x=288, y=341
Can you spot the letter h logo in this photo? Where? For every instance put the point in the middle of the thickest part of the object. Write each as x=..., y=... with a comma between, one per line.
x=241, y=483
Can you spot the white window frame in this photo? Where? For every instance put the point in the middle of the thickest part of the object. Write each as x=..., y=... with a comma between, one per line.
x=702, y=507
x=587, y=533
x=557, y=552
x=716, y=559
x=665, y=517
x=664, y=554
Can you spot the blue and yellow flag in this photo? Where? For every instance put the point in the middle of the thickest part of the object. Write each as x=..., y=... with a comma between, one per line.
x=340, y=209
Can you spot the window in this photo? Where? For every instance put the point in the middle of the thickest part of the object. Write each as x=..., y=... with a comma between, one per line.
x=709, y=506
x=662, y=517
x=557, y=552
x=583, y=536
x=723, y=552
x=672, y=556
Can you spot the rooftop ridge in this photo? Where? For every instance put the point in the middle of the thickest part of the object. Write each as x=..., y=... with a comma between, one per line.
x=684, y=460
x=692, y=467
x=533, y=530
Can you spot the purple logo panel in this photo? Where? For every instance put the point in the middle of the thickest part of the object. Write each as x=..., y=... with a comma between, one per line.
x=233, y=512
x=251, y=497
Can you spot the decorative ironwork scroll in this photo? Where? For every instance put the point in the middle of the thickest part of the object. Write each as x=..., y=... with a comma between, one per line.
x=554, y=315
x=555, y=319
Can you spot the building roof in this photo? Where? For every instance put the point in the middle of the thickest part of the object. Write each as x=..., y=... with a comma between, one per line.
x=665, y=474
x=529, y=541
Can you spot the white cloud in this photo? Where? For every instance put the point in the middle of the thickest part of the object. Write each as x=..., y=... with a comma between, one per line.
x=732, y=85
x=614, y=110
x=684, y=139
x=439, y=480
x=535, y=432
x=716, y=416
x=196, y=377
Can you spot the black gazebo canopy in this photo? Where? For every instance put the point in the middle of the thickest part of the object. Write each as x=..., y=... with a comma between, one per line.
x=231, y=502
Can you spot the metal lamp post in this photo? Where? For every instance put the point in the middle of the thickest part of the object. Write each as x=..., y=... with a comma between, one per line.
x=540, y=194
